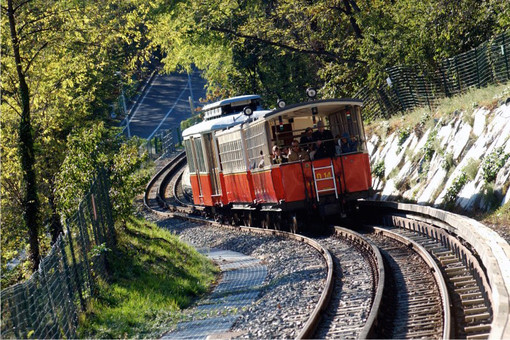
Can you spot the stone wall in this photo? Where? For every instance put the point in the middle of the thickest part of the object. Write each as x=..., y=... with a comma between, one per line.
x=462, y=161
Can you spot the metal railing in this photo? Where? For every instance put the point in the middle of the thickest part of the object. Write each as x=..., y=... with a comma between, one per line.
x=409, y=87
x=47, y=304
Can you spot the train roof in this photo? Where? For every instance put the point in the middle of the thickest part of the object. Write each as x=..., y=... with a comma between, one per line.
x=230, y=106
x=324, y=107
x=227, y=101
x=222, y=123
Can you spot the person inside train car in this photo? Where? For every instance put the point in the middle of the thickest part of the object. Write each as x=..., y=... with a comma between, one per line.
x=324, y=142
x=306, y=140
x=338, y=149
x=348, y=144
x=296, y=154
x=353, y=144
x=261, y=162
x=344, y=143
x=278, y=158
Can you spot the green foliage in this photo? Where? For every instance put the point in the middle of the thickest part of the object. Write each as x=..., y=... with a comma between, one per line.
x=448, y=162
x=154, y=276
x=403, y=134
x=98, y=147
x=379, y=169
x=70, y=52
x=452, y=192
x=275, y=48
x=190, y=122
x=493, y=163
x=429, y=148
x=471, y=168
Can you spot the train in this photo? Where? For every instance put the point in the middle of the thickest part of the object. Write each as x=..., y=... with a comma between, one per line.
x=278, y=167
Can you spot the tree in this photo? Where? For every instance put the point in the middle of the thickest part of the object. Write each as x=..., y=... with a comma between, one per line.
x=342, y=45
x=29, y=201
x=58, y=72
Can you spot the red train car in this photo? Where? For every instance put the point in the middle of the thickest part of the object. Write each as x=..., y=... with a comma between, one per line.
x=321, y=163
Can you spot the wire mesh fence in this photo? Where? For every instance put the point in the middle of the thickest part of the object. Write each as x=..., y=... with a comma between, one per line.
x=410, y=87
x=47, y=305
x=163, y=144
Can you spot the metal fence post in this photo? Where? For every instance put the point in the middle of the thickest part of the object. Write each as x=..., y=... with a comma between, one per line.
x=505, y=56
x=75, y=266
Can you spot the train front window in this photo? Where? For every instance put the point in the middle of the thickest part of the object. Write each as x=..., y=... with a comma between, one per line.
x=347, y=127
x=200, y=156
x=189, y=155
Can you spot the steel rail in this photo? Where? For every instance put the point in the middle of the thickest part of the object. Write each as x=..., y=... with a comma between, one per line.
x=490, y=260
x=312, y=322
x=436, y=271
x=379, y=276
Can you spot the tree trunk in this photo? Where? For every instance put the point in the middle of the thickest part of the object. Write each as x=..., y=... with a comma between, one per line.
x=56, y=227
x=30, y=202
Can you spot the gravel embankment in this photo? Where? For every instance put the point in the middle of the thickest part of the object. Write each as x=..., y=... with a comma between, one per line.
x=296, y=274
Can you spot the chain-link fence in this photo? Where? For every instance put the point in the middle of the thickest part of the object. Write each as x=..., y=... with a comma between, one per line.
x=410, y=87
x=47, y=305
x=163, y=144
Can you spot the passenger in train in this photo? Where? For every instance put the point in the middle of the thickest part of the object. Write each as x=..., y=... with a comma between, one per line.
x=324, y=142
x=344, y=143
x=348, y=144
x=306, y=140
x=261, y=161
x=296, y=154
x=278, y=158
x=353, y=144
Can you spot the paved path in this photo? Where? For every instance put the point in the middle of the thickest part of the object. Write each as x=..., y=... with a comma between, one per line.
x=239, y=287
x=165, y=103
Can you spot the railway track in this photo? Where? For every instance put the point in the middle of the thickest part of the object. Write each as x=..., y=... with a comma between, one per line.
x=410, y=272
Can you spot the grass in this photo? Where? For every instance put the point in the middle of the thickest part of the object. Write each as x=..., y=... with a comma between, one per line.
x=499, y=217
x=153, y=277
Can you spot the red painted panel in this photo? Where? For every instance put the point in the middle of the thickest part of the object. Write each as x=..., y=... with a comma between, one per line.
x=292, y=179
x=195, y=188
x=263, y=186
x=239, y=188
x=356, y=172
x=205, y=180
x=224, y=198
x=276, y=176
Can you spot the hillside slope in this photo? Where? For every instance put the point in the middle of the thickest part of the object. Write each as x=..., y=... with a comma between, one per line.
x=457, y=160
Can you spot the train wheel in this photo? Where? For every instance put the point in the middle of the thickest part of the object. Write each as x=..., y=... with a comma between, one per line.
x=253, y=219
x=294, y=223
x=266, y=221
x=278, y=220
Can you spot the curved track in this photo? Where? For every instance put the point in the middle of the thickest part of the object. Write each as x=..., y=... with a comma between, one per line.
x=450, y=290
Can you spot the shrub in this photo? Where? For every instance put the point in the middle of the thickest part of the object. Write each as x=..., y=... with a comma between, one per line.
x=493, y=163
x=379, y=169
x=452, y=192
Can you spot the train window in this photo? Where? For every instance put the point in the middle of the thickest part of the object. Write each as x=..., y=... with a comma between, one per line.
x=257, y=145
x=189, y=155
x=347, y=122
x=212, y=160
x=231, y=152
x=200, y=155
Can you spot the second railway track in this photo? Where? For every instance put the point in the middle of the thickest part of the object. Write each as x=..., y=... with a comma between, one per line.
x=456, y=293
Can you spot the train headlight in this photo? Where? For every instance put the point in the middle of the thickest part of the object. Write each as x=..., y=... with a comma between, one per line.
x=248, y=111
x=311, y=92
x=281, y=103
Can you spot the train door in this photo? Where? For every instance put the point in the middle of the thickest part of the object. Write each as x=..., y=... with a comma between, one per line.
x=213, y=164
x=194, y=171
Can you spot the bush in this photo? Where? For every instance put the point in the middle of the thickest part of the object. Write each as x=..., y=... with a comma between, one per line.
x=452, y=192
x=379, y=169
x=493, y=163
